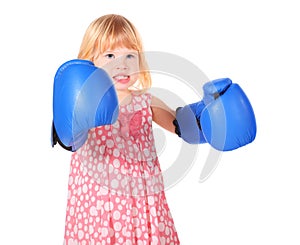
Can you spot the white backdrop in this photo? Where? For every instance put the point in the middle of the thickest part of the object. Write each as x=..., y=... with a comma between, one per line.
x=253, y=195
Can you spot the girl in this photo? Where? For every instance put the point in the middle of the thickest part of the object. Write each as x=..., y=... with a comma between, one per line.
x=116, y=191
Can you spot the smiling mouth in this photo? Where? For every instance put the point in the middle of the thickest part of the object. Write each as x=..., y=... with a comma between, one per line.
x=121, y=78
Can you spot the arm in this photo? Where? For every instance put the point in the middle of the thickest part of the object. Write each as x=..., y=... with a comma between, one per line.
x=162, y=114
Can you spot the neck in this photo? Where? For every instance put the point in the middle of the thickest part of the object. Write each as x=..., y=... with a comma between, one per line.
x=124, y=96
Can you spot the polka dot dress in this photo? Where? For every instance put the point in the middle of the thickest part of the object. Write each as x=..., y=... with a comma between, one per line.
x=115, y=191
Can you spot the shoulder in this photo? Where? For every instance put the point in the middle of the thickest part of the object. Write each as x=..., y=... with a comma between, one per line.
x=152, y=100
x=159, y=107
x=142, y=95
x=156, y=102
x=162, y=114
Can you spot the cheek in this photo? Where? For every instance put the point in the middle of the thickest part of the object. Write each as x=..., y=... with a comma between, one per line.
x=101, y=62
x=134, y=67
x=105, y=65
x=134, y=77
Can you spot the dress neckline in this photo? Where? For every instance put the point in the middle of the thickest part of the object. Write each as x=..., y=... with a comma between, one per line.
x=130, y=98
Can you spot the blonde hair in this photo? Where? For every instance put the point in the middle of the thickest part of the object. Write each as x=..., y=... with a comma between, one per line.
x=112, y=31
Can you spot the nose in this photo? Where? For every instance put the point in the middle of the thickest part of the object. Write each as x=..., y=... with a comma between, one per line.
x=121, y=63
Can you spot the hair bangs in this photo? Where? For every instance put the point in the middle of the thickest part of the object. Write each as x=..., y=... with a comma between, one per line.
x=119, y=35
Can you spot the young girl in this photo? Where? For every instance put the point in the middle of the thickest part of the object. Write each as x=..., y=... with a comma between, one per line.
x=116, y=191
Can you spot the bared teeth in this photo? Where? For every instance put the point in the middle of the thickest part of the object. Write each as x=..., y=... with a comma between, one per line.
x=121, y=77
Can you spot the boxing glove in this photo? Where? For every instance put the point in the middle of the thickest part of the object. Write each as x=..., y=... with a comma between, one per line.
x=187, y=122
x=228, y=121
x=225, y=120
x=84, y=97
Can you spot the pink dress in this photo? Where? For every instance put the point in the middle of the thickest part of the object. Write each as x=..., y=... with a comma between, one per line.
x=115, y=191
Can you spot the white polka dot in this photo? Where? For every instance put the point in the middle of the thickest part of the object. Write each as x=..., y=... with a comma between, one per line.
x=163, y=241
x=121, y=240
x=114, y=184
x=154, y=240
x=116, y=153
x=116, y=215
x=117, y=226
x=71, y=242
x=138, y=232
x=151, y=200
x=103, y=191
x=110, y=168
x=167, y=231
x=71, y=180
x=108, y=206
x=104, y=232
x=136, y=222
x=100, y=167
x=128, y=242
x=80, y=234
x=102, y=149
x=72, y=201
x=153, y=211
x=93, y=211
x=85, y=188
x=91, y=229
x=161, y=227
x=110, y=143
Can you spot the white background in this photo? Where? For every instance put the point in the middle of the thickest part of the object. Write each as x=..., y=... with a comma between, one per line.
x=253, y=195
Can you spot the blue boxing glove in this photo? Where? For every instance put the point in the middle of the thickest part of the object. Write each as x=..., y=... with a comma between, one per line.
x=225, y=118
x=187, y=123
x=228, y=121
x=84, y=97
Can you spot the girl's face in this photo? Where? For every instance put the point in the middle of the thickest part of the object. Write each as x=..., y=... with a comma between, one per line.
x=122, y=65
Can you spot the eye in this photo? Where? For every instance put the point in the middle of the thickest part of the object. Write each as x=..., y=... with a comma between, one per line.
x=110, y=56
x=130, y=56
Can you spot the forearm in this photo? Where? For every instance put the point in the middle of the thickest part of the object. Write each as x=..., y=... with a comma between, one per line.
x=163, y=115
x=165, y=120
